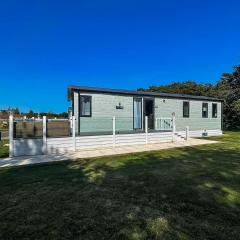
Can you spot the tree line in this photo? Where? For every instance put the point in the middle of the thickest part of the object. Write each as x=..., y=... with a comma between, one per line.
x=30, y=114
x=227, y=89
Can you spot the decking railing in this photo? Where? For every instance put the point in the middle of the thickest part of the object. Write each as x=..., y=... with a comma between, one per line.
x=32, y=137
x=163, y=124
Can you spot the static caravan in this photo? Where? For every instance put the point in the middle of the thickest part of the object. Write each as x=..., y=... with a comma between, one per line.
x=95, y=108
x=108, y=118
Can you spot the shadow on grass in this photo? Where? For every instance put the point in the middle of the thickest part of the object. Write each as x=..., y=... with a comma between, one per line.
x=190, y=193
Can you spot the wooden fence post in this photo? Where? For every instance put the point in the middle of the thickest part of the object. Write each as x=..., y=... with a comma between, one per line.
x=74, y=132
x=114, y=131
x=44, y=135
x=146, y=128
x=11, y=142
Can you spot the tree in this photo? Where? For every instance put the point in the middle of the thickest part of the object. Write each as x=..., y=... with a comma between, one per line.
x=188, y=87
x=63, y=115
x=16, y=111
x=227, y=88
x=30, y=114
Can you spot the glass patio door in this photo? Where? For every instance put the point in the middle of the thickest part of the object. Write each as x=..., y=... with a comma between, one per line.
x=137, y=113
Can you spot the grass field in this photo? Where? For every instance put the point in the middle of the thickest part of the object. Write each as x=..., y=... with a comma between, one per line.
x=188, y=193
x=3, y=149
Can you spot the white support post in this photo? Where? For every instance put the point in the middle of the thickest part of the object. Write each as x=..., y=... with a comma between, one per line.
x=44, y=135
x=74, y=132
x=11, y=148
x=173, y=126
x=114, y=131
x=146, y=128
x=187, y=133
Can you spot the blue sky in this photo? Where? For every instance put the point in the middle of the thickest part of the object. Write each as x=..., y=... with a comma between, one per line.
x=47, y=45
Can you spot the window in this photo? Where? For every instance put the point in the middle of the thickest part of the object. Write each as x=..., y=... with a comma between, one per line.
x=214, y=110
x=205, y=110
x=85, y=106
x=137, y=113
x=186, y=109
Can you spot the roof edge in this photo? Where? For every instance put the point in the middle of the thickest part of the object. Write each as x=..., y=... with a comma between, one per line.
x=143, y=93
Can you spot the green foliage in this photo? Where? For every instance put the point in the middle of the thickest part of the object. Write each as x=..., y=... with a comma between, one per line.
x=31, y=114
x=4, y=152
x=189, y=87
x=54, y=115
x=186, y=193
x=227, y=88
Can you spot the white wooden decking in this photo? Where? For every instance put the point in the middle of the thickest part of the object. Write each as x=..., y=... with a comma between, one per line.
x=99, y=152
x=68, y=144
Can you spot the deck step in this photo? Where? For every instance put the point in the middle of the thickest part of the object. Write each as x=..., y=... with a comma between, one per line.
x=180, y=137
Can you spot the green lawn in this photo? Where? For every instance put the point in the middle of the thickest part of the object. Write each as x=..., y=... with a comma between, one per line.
x=3, y=149
x=188, y=193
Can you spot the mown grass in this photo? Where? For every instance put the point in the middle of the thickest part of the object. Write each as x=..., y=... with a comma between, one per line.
x=188, y=193
x=4, y=149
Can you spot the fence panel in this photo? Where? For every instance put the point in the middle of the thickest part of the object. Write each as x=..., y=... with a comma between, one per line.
x=58, y=128
x=27, y=129
x=4, y=133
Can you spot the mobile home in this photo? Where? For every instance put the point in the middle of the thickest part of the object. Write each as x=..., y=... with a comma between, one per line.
x=94, y=109
x=108, y=118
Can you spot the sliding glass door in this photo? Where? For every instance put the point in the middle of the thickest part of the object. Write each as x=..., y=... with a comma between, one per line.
x=137, y=113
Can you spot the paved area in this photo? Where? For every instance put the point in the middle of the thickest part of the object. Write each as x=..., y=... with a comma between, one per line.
x=28, y=160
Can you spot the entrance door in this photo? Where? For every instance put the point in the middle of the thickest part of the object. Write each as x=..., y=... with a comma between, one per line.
x=149, y=112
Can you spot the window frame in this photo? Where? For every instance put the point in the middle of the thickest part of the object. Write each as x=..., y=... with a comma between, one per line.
x=203, y=111
x=80, y=103
x=213, y=115
x=186, y=116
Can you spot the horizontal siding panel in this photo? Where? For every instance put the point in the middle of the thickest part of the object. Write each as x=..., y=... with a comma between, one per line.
x=159, y=140
x=104, y=108
x=130, y=142
x=159, y=136
x=65, y=145
x=95, y=137
x=58, y=140
x=129, y=138
x=57, y=150
x=55, y=145
x=94, y=141
x=98, y=139
x=98, y=142
x=59, y=147
x=132, y=135
x=93, y=144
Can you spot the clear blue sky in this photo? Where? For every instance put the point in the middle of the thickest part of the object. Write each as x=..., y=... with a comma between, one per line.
x=47, y=45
